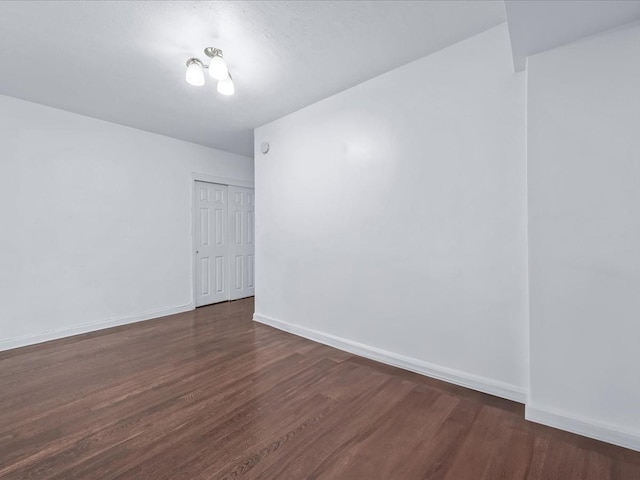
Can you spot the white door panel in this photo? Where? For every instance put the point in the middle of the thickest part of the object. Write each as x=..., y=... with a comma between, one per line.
x=212, y=256
x=242, y=242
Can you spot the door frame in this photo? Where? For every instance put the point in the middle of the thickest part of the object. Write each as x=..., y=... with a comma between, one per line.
x=203, y=177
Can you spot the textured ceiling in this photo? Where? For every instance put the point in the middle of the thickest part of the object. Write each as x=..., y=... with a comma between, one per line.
x=539, y=25
x=125, y=61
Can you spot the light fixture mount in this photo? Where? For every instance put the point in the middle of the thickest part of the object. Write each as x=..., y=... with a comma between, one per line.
x=194, y=60
x=212, y=52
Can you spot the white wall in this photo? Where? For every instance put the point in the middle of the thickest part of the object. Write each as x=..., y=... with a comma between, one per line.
x=391, y=218
x=96, y=221
x=584, y=187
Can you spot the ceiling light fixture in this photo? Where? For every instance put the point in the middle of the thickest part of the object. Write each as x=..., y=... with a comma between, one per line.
x=218, y=70
x=217, y=67
x=225, y=86
x=195, y=75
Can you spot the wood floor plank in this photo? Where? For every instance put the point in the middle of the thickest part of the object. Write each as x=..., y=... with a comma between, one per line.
x=538, y=457
x=210, y=394
x=182, y=432
x=511, y=458
x=597, y=467
x=331, y=437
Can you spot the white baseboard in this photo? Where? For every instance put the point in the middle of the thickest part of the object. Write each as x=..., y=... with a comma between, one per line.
x=475, y=382
x=585, y=427
x=10, y=343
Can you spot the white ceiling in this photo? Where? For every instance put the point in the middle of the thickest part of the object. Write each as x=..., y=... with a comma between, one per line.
x=539, y=25
x=124, y=61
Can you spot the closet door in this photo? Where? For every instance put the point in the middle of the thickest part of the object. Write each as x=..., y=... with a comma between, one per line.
x=241, y=242
x=211, y=243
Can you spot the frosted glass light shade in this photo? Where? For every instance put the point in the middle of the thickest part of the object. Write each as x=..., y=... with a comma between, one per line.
x=218, y=68
x=195, y=75
x=226, y=87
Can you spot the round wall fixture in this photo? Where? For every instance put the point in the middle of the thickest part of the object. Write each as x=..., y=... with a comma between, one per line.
x=265, y=147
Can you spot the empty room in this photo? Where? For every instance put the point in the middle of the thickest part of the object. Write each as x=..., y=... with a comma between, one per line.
x=338, y=240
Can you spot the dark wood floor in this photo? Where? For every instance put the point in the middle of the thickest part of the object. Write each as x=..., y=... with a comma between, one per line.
x=210, y=394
